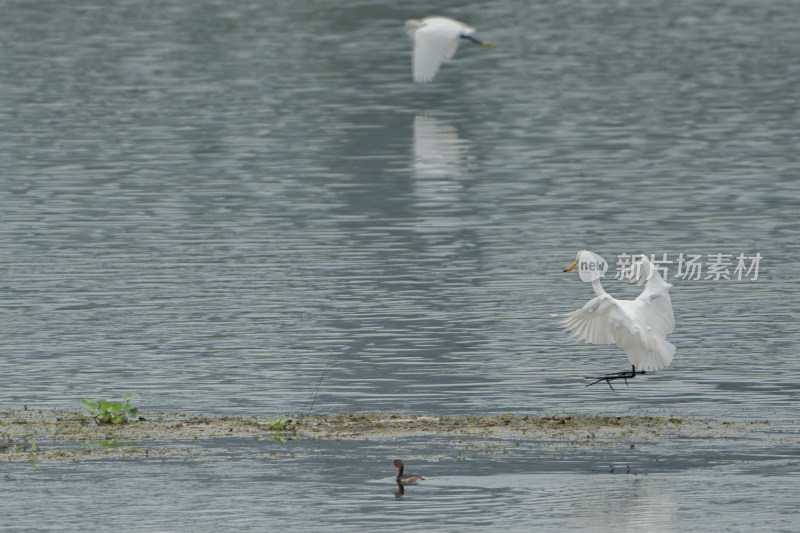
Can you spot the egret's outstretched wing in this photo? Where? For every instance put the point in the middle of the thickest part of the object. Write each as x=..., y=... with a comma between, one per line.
x=601, y=321
x=638, y=327
x=435, y=41
x=656, y=308
x=656, y=305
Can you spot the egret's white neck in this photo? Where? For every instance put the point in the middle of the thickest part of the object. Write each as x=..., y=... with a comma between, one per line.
x=598, y=289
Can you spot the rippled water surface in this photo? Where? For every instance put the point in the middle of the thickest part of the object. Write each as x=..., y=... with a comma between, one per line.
x=206, y=202
x=241, y=484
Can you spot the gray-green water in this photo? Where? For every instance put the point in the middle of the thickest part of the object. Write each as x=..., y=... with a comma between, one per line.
x=203, y=202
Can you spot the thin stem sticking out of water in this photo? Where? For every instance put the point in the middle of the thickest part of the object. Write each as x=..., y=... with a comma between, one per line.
x=315, y=392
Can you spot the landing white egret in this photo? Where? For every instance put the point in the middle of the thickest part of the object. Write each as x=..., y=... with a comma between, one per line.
x=435, y=41
x=639, y=326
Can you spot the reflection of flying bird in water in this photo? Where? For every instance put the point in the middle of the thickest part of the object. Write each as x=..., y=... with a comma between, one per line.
x=438, y=150
x=409, y=479
x=438, y=161
x=639, y=326
x=435, y=41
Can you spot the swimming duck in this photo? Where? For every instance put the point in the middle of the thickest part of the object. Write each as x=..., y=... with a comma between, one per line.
x=410, y=479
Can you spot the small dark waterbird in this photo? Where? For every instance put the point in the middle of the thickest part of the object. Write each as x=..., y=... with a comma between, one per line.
x=409, y=479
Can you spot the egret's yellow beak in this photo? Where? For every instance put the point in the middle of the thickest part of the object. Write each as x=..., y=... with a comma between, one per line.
x=573, y=265
x=488, y=44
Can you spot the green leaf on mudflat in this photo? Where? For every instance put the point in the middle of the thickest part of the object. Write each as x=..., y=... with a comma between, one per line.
x=111, y=407
x=90, y=404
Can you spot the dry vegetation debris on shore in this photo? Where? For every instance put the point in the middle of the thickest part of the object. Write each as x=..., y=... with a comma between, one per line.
x=74, y=435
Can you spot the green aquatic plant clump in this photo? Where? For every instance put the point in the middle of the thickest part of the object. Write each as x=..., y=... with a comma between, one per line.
x=279, y=427
x=283, y=423
x=105, y=412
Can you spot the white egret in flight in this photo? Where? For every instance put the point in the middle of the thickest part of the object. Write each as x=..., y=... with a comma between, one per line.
x=639, y=326
x=435, y=41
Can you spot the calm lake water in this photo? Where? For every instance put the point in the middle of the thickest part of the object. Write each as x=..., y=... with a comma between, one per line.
x=209, y=202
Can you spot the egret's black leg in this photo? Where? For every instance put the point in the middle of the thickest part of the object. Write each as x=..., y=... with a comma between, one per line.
x=632, y=373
